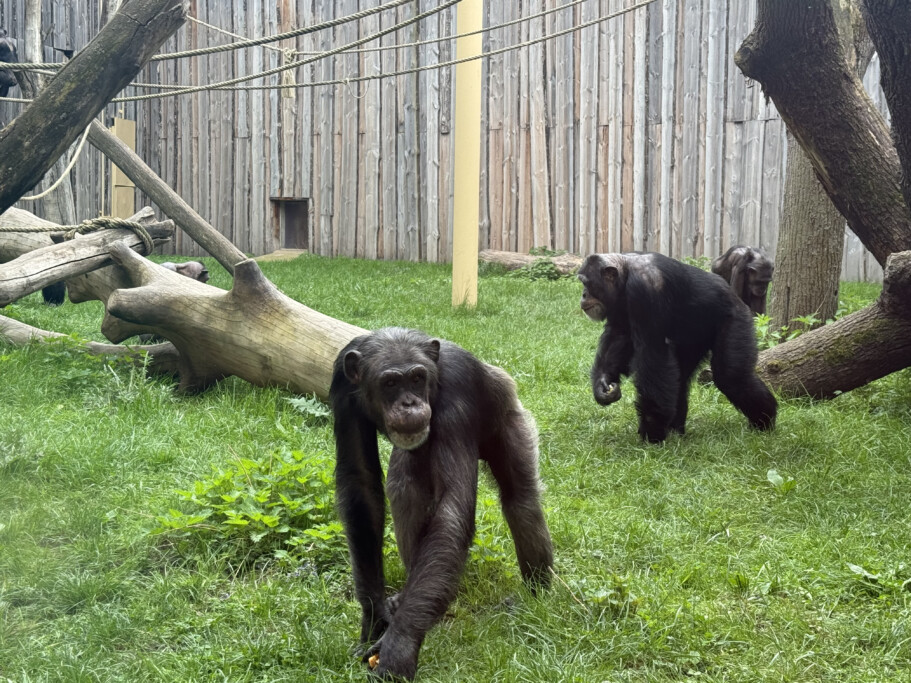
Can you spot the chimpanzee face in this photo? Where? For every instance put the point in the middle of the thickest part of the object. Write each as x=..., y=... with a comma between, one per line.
x=759, y=277
x=602, y=287
x=398, y=387
x=590, y=305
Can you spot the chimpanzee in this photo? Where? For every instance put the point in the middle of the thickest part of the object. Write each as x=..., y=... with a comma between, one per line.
x=749, y=273
x=662, y=318
x=7, y=54
x=195, y=270
x=443, y=410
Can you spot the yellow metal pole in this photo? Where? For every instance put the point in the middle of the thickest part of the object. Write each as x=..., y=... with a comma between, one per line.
x=467, y=170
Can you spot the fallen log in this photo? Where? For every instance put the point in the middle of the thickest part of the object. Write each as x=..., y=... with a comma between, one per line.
x=567, y=264
x=252, y=331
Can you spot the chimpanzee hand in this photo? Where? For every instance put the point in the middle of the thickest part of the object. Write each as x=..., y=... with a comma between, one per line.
x=397, y=657
x=605, y=392
x=374, y=626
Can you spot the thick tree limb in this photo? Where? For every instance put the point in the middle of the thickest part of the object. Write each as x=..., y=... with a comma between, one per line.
x=39, y=135
x=852, y=351
x=167, y=200
x=795, y=54
x=252, y=331
x=889, y=25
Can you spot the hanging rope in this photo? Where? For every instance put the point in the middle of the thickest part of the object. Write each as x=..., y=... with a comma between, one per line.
x=88, y=226
x=63, y=175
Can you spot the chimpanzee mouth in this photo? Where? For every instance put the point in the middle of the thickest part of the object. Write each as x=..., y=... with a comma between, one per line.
x=409, y=441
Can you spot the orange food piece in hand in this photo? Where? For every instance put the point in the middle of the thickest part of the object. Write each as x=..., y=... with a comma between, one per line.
x=373, y=661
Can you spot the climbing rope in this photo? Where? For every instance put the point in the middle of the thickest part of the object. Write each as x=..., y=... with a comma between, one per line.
x=87, y=226
x=66, y=172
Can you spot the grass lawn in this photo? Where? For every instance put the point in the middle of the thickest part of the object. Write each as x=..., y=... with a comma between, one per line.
x=724, y=555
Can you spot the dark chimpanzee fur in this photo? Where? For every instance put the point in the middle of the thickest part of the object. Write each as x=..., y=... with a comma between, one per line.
x=749, y=273
x=443, y=410
x=662, y=318
x=7, y=54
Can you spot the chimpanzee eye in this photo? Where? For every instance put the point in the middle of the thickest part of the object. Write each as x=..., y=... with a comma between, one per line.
x=390, y=383
x=415, y=379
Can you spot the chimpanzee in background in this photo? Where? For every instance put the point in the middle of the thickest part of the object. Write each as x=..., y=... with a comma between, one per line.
x=195, y=270
x=749, y=273
x=443, y=410
x=662, y=318
x=8, y=55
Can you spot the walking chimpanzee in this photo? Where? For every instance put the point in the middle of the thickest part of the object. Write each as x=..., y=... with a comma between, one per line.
x=662, y=318
x=443, y=410
x=749, y=273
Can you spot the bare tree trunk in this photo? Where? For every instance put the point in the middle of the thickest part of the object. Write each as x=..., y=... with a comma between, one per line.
x=795, y=54
x=167, y=199
x=811, y=231
x=810, y=245
x=889, y=25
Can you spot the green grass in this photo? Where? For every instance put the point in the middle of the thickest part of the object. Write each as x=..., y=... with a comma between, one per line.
x=675, y=561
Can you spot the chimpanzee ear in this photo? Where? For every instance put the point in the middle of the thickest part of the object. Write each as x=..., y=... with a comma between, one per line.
x=352, y=369
x=609, y=274
x=433, y=350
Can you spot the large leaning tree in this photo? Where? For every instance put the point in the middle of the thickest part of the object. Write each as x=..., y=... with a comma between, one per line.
x=795, y=54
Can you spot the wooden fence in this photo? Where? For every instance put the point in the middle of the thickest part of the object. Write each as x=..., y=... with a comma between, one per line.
x=637, y=132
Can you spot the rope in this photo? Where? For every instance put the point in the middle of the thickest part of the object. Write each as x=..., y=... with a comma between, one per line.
x=240, y=79
x=87, y=226
x=418, y=69
x=226, y=85
x=29, y=66
x=63, y=175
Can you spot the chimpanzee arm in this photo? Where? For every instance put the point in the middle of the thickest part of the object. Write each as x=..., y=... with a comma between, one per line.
x=615, y=351
x=439, y=556
x=362, y=508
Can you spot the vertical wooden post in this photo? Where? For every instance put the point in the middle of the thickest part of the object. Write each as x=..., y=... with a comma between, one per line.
x=467, y=144
x=123, y=194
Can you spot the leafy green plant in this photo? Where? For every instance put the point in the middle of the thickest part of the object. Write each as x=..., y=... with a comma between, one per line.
x=782, y=485
x=768, y=337
x=701, y=262
x=539, y=269
x=613, y=596
x=544, y=251
x=314, y=411
x=280, y=505
x=894, y=582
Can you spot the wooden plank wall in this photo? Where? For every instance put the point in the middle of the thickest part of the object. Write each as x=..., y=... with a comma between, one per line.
x=637, y=132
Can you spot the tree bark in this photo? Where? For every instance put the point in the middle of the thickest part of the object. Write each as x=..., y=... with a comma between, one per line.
x=852, y=351
x=167, y=200
x=511, y=260
x=811, y=230
x=889, y=25
x=252, y=331
x=810, y=245
x=795, y=54
x=39, y=268
x=31, y=144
